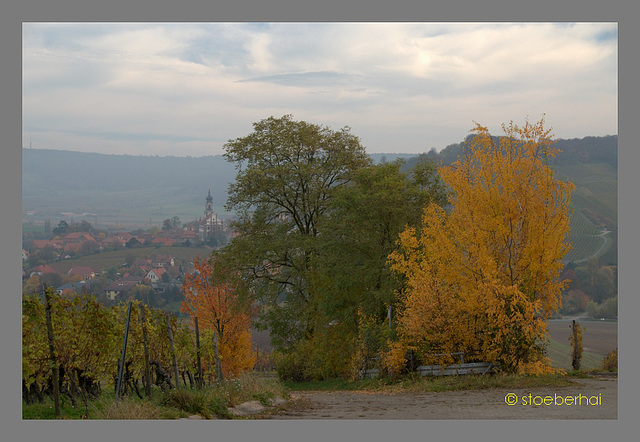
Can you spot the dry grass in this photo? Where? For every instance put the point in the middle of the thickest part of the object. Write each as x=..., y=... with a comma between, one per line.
x=129, y=409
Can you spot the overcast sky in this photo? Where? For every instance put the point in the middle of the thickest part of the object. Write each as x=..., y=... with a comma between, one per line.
x=187, y=88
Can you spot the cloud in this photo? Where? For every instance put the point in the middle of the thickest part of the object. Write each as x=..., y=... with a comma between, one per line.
x=306, y=79
x=399, y=86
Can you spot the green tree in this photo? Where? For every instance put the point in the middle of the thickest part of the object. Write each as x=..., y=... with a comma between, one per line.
x=287, y=173
x=592, y=274
x=85, y=226
x=142, y=293
x=605, y=284
x=62, y=228
x=355, y=284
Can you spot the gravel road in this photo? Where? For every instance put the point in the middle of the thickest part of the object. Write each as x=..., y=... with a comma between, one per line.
x=598, y=397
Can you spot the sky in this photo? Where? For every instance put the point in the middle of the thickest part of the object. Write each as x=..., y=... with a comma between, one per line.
x=185, y=89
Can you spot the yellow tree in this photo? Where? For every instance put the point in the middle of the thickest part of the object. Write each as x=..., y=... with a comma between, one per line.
x=483, y=276
x=221, y=309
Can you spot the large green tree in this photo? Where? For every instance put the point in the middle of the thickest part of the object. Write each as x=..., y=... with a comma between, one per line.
x=362, y=229
x=355, y=284
x=288, y=171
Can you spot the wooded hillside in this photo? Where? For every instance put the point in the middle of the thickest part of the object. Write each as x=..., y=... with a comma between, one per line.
x=138, y=191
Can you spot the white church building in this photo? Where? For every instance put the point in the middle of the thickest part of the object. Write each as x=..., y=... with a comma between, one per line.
x=210, y=223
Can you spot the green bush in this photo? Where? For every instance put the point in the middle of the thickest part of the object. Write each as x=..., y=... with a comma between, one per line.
x=192, y=402
x=218, y=406
x=325, y=356
x=294, y=367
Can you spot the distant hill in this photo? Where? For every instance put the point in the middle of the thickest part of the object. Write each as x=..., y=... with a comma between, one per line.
x=140, y=191
x=121, y=189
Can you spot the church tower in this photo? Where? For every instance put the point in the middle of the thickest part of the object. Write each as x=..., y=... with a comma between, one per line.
x=210, y=223
x=208, y=207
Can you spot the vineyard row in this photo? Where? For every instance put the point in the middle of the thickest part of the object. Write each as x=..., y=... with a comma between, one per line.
x=88, y=343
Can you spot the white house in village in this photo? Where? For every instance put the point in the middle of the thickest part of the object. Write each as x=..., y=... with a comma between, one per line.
x=155, y=275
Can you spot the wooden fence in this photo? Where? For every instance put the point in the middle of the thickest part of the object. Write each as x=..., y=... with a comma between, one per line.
x=445, y=370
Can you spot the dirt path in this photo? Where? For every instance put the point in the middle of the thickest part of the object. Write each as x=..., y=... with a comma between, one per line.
x=599, y=398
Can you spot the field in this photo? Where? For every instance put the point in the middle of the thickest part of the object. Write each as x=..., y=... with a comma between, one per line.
x=598, y=339
x=584, y=237
x=105, y=260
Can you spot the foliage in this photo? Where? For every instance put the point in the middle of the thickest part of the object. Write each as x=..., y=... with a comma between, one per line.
x=610, y=362
x=576, y=345
x=61, y=229
x=354, y=279
x=171, y=224
x=573, y=302
x=294, y=366
x=607, y=310
x=88, y=343
x=193, y=402
x=413, y=383
x=287, y=173
x=371, y=340
x=324, y=355
x=483, y=277
x=85, y=340
x=393, y=360
x=212, y=295
x=319, y=222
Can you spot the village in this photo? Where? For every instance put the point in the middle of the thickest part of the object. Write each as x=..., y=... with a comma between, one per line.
x=146, y=266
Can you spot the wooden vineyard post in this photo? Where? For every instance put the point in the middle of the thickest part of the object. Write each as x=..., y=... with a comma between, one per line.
x=124, y=352
x=53, y=360
x=147, y=369
x=200, y=378
x=173, y=353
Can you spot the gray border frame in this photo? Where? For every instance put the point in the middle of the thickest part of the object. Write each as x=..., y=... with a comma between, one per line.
x=14, y=15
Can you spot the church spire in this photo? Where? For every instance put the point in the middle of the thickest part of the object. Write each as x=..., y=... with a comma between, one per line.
x=208, y=207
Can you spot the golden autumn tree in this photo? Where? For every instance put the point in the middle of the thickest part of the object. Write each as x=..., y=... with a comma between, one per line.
x=483, y=275
x=222, y=312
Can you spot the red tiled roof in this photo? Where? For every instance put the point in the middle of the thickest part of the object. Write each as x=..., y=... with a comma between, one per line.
x=83, y=271
x=158, y=271
x=42, y=243
x=77, y=236
x=165, y=241
x=44, y=269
